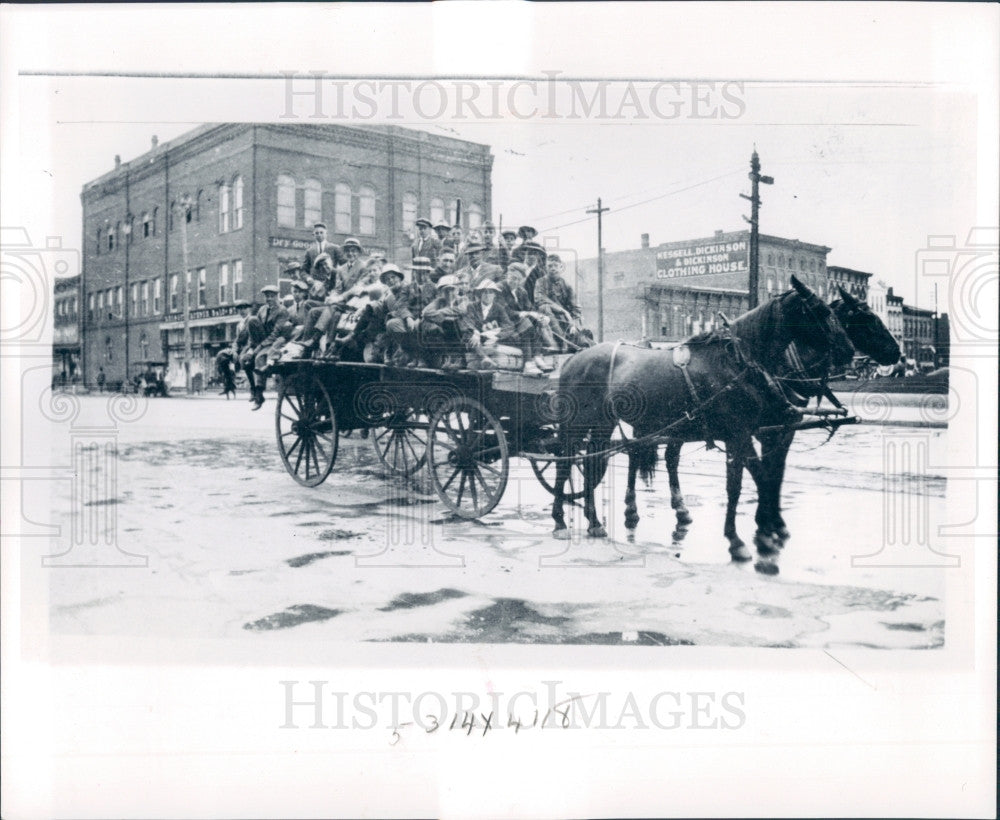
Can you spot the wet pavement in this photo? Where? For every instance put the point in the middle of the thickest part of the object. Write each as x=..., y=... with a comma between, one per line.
x=235, y=547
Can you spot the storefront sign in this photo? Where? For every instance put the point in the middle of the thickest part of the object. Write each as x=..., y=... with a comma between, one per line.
x=214, y=313
x=703, y=258
x=293, y=244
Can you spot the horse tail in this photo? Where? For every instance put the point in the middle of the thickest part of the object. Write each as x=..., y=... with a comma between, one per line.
x=645, y=456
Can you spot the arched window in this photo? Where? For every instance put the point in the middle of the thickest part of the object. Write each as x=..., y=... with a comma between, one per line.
x=286, y=201
x=366, y=210
x=453, y=212
x=342, y=208
x=475, y=218
x=437, y=210
x=147, y=224
x=409, y=210
x=313, y=202
x=238, y=203
x=223, y=208
x=156, y=213
x=111, y=239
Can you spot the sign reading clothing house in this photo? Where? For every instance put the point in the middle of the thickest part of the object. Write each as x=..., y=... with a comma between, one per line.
x=702, y=257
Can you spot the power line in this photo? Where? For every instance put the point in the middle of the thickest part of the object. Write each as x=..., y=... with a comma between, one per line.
x=652, y=199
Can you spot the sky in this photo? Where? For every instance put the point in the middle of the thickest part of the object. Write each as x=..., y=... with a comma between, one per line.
x=871, y=169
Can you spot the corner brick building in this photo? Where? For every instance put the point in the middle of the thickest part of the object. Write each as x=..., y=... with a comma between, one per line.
x=255, y=191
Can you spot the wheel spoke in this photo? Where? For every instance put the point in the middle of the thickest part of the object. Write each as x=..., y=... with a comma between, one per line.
x=461, y=488
x=485, y=466
x=319, y=449
x=475, y=493
x=416, y=458
x=298, y=460
x=290, y=418
x=447, y=484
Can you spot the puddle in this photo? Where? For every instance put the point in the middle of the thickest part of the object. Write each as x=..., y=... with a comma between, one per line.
x=305, y=560
x=293, y=616
x=338, y=535
x=409, y=600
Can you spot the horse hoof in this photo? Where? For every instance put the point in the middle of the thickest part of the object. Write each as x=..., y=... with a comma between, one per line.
x=597, y=532
x=740, y=553
x=684, y=518
x=765, y=543
x=766, y=567
x=560, y=534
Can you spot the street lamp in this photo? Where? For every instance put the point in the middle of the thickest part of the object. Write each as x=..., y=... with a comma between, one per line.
x=185, y=206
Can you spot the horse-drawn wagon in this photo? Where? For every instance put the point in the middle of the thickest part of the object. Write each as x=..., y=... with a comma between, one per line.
x=464, y=426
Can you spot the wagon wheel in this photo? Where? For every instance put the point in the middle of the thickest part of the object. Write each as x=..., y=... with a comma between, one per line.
x=306, y=428
x=467, y=455
x=401, y=443
x=545, y=472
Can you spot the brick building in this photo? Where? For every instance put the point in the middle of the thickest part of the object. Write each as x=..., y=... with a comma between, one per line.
x=918, y=336
x=254, y=193
x=667, y=292
x=66, y=330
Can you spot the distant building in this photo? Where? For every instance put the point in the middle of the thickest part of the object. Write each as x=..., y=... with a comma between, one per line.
x=667, y=292
x=894, y=315
x=853, y=281
x=66, y=330
x=255, y=192
x=918, y=336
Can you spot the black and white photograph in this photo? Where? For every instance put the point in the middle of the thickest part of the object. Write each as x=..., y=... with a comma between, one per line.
x=503, y=410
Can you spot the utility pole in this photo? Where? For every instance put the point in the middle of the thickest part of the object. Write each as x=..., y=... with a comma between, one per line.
x=600, y=269
x=185, y=204
x=755, y=178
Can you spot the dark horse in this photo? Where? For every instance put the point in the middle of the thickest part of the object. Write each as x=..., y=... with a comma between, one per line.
x=715, y=386
x=802, y=376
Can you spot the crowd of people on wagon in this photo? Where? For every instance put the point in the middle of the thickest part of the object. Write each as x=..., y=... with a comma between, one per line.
x=465, y=297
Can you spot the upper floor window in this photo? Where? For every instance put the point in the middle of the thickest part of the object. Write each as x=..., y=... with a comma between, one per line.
x=157, y=295
x=475, y=216
x=286, y=201
x=237, y=279
x=145, y=299
x=313, y=202
x=223, y=208
x=238, y=204
x=174, y=302
x=133, y=299
x=98, y=253
x=202, y=287
x=409, y=210
x=90, y=307
x=147, y=224
x=437, y=210
x=119, y=307
x=112, y=236
x=144, y=346
x=342, y=208
x=366, y=211
x=223, y=281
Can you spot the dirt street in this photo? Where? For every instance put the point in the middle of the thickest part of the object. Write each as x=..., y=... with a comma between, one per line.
x=194, y=488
